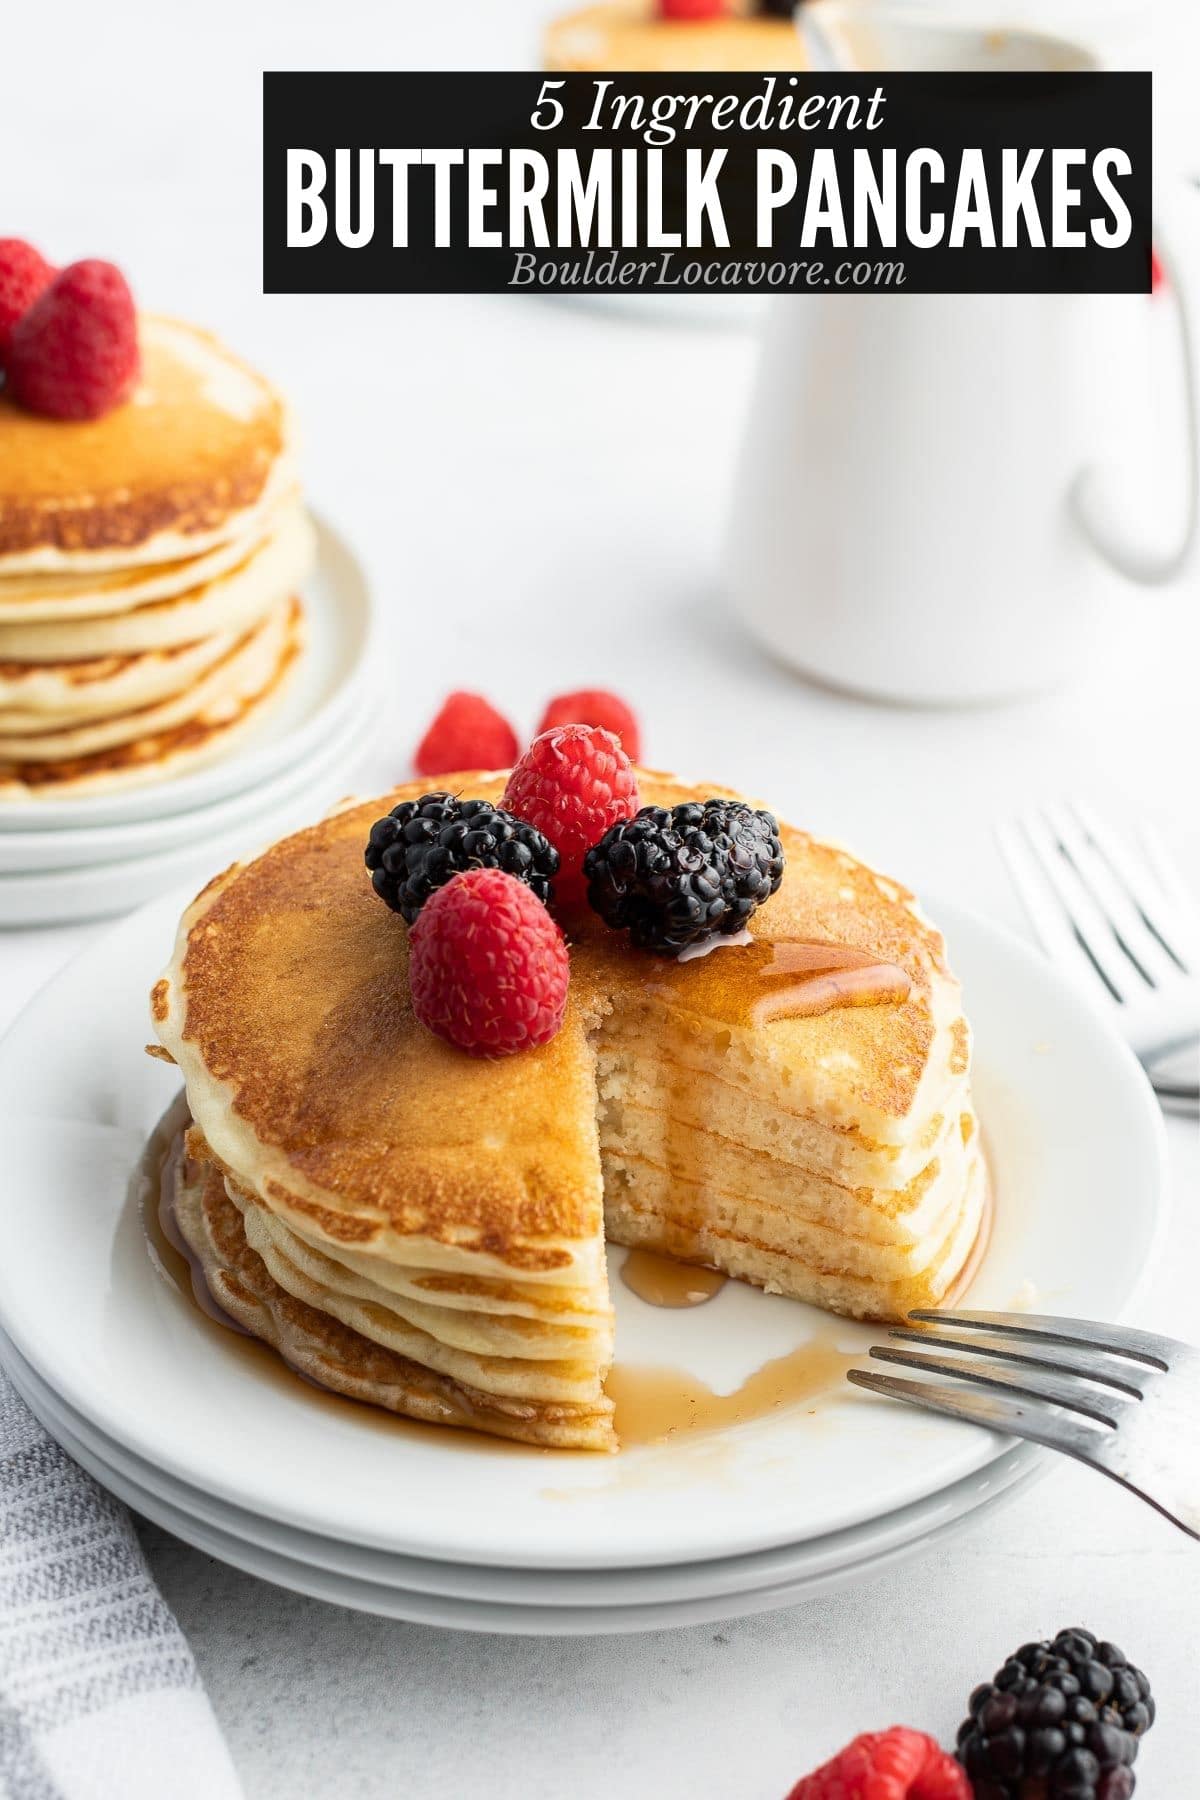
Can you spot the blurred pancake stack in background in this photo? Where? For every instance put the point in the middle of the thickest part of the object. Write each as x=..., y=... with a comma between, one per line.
x=150, y=563
x=166, y=694
x=656, y=36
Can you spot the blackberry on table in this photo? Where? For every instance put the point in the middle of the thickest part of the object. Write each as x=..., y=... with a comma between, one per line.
x=673, y=875
x=1060, y=1721
x=422, y=843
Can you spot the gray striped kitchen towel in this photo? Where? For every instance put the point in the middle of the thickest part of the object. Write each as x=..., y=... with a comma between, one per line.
x=99, y=1695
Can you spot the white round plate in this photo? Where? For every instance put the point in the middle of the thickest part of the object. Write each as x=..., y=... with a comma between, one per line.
x=326, y=687
x=201, y=847
x=1076, y=1141
x=86, y=846
x=537, y=1605
x=714, y=1579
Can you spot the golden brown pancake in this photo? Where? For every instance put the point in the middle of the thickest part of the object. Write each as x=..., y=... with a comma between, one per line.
x=324, y=1350
x=178, y=469
x=163, y=750
x=53, y=616
x=454, y=1211
x=631, y=35
x=40, y=696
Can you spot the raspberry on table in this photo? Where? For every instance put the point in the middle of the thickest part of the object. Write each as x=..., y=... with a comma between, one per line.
x=24, y=274
x=691, y=9
x=675, y=875
x=897, y=1764
x=422, y=843
x=596, y=706
x=488, y=966
x=74, y=354
x=572, y=783
x=1062, y=1719
x=467, y=733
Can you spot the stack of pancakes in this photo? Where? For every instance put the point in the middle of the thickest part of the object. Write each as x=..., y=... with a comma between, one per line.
x=424, y=1230
x=149, y=567
x=633, y=35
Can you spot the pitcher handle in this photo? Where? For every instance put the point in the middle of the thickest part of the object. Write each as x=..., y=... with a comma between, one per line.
x=1092, y=499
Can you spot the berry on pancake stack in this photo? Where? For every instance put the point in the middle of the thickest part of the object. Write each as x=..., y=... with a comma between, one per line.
x=152, y=539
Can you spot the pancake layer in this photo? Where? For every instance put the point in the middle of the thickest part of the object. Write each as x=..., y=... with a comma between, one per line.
x=261, y=668
x=453, y=1212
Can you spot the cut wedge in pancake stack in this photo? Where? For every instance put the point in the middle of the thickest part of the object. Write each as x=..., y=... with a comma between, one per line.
x=413, y=1226
x=150, y=563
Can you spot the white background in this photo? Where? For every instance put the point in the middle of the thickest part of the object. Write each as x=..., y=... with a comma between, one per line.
x=539, y=490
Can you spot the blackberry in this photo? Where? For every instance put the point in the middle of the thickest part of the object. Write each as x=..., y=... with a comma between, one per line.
x=1060, y=1721
x=777, y=9
x=422, y=843
x=670, y=876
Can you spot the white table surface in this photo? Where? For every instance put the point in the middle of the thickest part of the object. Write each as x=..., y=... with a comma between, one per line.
x=539, y=488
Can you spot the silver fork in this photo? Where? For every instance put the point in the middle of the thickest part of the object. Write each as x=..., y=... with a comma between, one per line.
x=1128, y=927
x=1125, y=1402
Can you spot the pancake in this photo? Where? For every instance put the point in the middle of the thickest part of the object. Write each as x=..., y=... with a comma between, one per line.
x=326, y=1351
x=217, y=726
x=229, y=600
x=631, y=35
x=453, y=1212
x=242, y=669
x=59, y=603
x=45, y=696
x=200, y=450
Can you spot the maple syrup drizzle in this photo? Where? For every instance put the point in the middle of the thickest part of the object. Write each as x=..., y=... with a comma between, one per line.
x=661, y=1281
x=661, y=1406
x=751, y=984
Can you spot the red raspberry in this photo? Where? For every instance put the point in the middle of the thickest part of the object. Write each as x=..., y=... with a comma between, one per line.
x=468, y=733
x=572, y=783
x=691, y=9
x=488, y=966
x=74, y=354
x=596, y=706
x=24, y=273
x=887, y=1765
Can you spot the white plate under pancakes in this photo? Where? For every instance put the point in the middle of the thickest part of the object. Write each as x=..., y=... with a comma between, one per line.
x=526, y=1601
x=188, y=848
x=1076, y=1144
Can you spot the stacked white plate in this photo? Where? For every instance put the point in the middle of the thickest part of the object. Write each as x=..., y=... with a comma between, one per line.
x=209, y=1435
x=86, y=858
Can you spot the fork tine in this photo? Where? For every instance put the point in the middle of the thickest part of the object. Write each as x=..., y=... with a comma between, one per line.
x=1096, y=1367
x=1159, y=912
x=1076, y=1398
x=1173, y=887
x=1084, y=915
x=1057, y=1431
x=1143, y=943
x=1051, y=925
x=1079, y=1334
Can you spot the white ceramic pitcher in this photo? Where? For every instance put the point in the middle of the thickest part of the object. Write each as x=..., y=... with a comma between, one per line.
x=937, y=494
